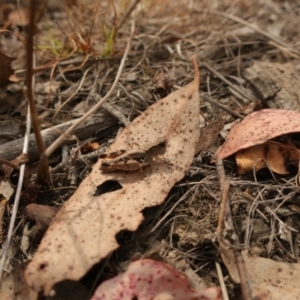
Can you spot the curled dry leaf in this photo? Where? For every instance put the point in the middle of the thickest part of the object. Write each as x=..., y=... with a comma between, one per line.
x=83, y=231
x=259, y=127
x=149, y=279
x=271, y=154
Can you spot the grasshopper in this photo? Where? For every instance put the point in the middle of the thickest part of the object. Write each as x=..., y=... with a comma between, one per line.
x=132, y=160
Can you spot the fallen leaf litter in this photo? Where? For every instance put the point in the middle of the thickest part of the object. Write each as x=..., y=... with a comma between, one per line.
x=257, y=193
x=251, y=140
x=69, y=249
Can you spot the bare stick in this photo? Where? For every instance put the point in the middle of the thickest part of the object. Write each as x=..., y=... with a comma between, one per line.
x=221, y=174
x=222, y=214
x=98, y=123
x=225, y=108
x=226, y=227
x=73, y=94
x=25, y=149
x=221, y=281
x=58, y=142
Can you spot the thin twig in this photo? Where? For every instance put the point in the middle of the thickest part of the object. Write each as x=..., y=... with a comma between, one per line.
x=221, y=281
x=59, y=140
x=224, y=186
x=221, y=174
x=73, y=94
x=43, y=170
x=116, y=113
x=158, y=224
x=220, y=76
x=6, y=244
x=273, y=38
x=225, y=108
x=226, y=227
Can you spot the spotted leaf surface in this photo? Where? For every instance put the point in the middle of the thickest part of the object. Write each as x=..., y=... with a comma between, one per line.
x=83, y=231
x=147, y=280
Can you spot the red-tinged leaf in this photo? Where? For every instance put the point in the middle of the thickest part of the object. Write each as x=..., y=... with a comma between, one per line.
x=148, y=279
x=259, y=127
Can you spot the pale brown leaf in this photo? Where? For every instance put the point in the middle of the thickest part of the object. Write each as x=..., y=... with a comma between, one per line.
x=83, y=231
x=271, y=280
x=266, y=278
x=259, y=127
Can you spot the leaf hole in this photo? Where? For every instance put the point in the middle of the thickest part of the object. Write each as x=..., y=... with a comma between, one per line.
x=43, y=266
x=108, y=187
x=124, y=237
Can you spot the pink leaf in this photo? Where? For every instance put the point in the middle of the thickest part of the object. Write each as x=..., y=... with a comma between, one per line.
x=151, y=280
x=259, y=127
